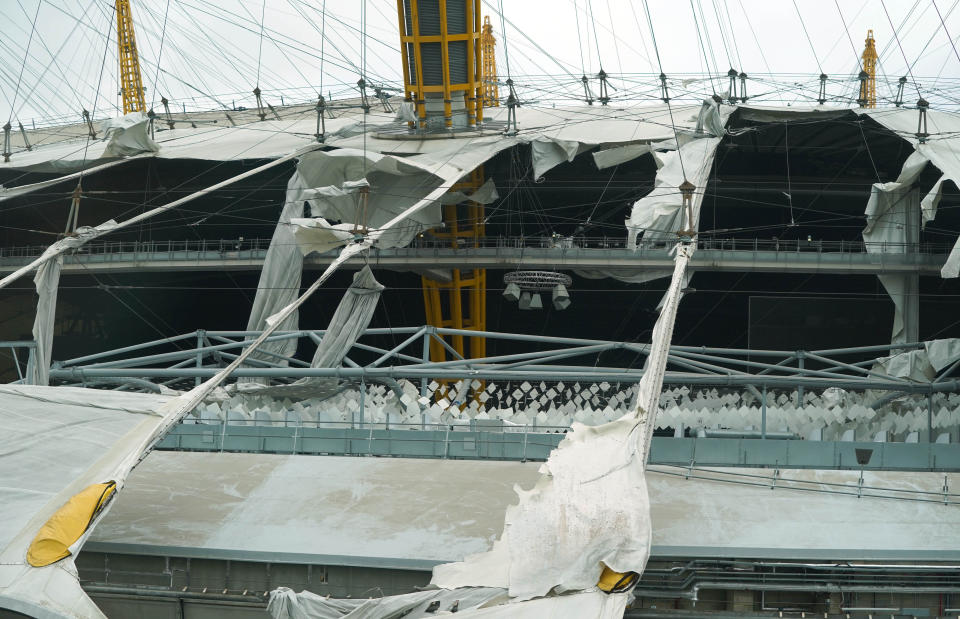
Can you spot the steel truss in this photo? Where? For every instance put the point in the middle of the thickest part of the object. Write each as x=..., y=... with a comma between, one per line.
x=197, y=355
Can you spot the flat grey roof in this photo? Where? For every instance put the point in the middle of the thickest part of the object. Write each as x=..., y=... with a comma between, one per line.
x=415, y=513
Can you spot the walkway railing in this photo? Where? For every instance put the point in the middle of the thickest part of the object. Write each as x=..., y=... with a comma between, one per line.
x=253, y=247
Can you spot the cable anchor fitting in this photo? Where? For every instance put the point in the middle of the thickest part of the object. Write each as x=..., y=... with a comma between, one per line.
x=321, y=119
x=587, y=95
x=743, y=87
x=6, y=142
x=664, y=94
x=90, y=131
x=922, y=107
x=166, y=112
x=732, y=95
x=384, y=97
x=822, y=97
x=364, y=102
x=262, y=114
x=512, y=104
x=23, y=134
x=901, y=83
x=604, y=97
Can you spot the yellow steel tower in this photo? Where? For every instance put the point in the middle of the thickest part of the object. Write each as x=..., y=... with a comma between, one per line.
x=131, y=84
x=444, y=77
x=461, y=301
x=441, y=61
x=868, y=88
x=491, y=94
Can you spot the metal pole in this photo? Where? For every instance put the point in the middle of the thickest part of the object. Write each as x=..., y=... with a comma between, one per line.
x=363, y=397
x=763, y=413
x=800, y=358
x=426, y=359
x=200, y=335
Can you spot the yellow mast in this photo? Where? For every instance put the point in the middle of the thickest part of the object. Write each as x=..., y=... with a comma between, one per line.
x=491, y=94
x=131, y=83
x=868, y=87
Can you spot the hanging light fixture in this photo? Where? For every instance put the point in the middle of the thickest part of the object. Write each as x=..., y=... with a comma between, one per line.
x=525, y=300
x=526, y=288
x=561, y=298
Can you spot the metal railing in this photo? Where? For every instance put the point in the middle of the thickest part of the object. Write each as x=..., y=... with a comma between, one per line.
x=240, y=246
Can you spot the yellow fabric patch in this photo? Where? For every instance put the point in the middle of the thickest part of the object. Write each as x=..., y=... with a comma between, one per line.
x=67, y=524
x=615, y=582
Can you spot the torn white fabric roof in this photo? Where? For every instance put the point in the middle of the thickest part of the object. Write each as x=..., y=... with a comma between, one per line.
x=921, y=365
x=891, y=214
x=709, y=118
x=590, y=506
x=47, y=282
x=280, y=279
x=56, y=441
x=942, y=149
x=485, y=194
x=609, y=157
x=394, y=186
x=316, y=234
x=349, y=321
x=128, y=135
x=658, y=216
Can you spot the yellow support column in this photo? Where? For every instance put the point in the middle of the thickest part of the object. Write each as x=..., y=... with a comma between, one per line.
x=491, y=92
x=466, y=290
x=426, y=38
x=131, y=83
x=868, y=94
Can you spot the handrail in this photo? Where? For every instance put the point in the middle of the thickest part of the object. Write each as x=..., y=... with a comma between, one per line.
x=237, y=247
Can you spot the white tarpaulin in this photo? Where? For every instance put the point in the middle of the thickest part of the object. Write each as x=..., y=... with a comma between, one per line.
x=55, y=442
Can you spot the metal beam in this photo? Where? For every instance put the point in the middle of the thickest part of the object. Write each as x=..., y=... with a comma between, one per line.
x=815, y=257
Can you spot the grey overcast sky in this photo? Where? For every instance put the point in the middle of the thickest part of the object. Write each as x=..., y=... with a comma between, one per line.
x=59, y=56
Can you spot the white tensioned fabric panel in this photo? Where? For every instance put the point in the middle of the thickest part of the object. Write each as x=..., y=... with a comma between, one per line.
x=55, y=442
x=269, y=139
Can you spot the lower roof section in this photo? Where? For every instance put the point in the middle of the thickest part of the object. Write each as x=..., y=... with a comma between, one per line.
x=414, y=513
